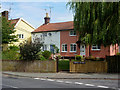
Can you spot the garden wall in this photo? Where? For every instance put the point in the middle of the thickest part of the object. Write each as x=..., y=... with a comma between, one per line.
x=88, y=67
x=28, y=66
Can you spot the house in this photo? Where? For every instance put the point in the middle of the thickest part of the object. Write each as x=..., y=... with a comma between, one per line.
x=62, y=35
x=22, y=27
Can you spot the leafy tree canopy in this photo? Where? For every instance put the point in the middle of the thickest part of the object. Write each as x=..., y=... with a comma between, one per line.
x=8, y=32
x=97, y=22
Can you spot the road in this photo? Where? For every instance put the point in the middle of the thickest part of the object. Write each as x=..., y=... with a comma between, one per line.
x=20, y=82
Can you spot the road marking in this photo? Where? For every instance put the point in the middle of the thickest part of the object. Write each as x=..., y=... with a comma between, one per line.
x=59, y=81
x=78, y=83
x=42, y=79
x=67, y=82
x=50, y=80
x=89, y=85
x=36, y=78
x=9, y=86
x=102, y=86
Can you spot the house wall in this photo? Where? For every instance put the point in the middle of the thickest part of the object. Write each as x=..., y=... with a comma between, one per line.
x=114, y=49
x=65, y=38
x=100, y=53
x=49, y=40
x=25, y=29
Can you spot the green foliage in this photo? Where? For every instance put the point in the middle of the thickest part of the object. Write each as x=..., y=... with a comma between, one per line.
x=78, y=57
x=59, y=56
x=97, y=22
x=56, y=49
x=29, y=51
x=118, y=54
x=42, y=58
x=14, y=47
x=10, y=55
x=7, y=32
x=46, y=54
x=63, y=65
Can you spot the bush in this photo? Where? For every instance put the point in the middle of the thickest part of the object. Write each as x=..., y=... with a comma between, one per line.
x=42, y=58
x=10, y=55
x=59, y=56
x=29, y=50
x=78, y=57
x=14, y=47
x=46, y=54
x=118, y=54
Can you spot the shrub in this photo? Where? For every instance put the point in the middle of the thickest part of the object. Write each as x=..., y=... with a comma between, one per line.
x=10, y=55
x=42, y=58
x=29, y=50
x=78, y=57
x=118, y=54
x=14, y=47
x=59, y=56
x=46, y=54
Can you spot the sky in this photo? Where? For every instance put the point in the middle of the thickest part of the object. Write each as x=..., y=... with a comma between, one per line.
x=34, y=12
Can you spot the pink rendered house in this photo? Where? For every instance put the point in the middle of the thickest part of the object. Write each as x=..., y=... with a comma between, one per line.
x=69, y=45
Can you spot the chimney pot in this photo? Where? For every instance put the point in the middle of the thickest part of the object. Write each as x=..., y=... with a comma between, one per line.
x=47, y=19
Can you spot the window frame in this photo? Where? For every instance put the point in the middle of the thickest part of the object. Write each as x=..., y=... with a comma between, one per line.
x=97, y=49
x=73, y=47
x=64, y=47
x=72, y=34
x=20, y=36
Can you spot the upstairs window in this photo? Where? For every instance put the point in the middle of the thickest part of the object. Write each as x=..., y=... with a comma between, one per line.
x=44, y=34
x=73, y=47
x=72, y=33
x=64, y=47
x=20, y=36
x=95, y=47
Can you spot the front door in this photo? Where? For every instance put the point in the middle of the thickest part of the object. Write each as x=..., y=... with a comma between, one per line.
x=82, y=49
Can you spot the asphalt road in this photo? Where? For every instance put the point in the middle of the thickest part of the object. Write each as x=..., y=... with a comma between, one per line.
x=19, y=83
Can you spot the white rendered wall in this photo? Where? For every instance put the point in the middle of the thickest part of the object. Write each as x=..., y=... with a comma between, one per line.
x=49, y=40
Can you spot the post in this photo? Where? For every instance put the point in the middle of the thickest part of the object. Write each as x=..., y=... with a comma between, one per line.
x=57, y=60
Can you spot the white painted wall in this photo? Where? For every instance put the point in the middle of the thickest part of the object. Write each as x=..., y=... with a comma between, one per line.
x=48, y=40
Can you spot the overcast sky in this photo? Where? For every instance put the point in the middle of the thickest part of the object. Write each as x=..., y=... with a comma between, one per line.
x=34, y=12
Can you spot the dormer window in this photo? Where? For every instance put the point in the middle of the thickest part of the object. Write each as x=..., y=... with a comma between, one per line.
x=72, y=33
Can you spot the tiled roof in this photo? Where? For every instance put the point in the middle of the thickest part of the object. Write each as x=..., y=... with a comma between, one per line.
x=14, y=21
x=55, y=26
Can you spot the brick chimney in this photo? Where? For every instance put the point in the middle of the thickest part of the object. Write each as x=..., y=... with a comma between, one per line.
x=47, y=19
x=5, y=14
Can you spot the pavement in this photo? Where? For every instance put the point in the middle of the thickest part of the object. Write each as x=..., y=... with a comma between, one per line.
x=64, y=75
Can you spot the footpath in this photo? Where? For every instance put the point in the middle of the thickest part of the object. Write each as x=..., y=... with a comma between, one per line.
x=64, y=75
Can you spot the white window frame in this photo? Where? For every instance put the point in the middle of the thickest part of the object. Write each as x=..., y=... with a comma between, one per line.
x=44, y=47
x=64, y=47
x=72, y=34
x=95, y=46
x=73, y=47
x=20, y=36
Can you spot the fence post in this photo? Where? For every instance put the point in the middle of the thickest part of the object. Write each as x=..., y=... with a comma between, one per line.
x=57, y=60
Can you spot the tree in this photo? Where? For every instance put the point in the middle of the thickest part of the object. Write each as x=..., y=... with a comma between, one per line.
x=8, y=32
x=97, y=22
x=31, y=50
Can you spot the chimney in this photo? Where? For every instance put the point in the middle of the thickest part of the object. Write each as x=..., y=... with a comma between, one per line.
x=5, y=14
x=47, y=19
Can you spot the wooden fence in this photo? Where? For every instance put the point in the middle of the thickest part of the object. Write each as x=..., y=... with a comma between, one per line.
x=113, y=64
x=88, y=67
x=29, y=66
